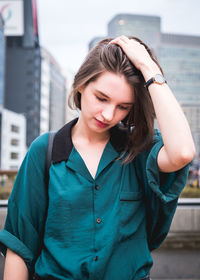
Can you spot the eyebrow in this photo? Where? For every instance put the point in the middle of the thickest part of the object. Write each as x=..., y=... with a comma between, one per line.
x=127, y=103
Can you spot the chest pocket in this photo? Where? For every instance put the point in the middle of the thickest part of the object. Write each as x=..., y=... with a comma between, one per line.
x=132, y=212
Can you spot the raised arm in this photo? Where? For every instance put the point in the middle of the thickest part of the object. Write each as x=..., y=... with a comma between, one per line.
x=178, y=149
x=15, y=267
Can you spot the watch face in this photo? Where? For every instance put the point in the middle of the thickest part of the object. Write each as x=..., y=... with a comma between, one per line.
x=159, y=79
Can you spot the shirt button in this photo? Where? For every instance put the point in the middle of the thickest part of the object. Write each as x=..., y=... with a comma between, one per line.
x=98, y=220
x=96, y=258
x=96, y=187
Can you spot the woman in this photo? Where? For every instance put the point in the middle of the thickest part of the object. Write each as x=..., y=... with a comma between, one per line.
x=114, y=182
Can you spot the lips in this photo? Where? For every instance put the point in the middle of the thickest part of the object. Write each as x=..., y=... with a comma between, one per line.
x=101, y=124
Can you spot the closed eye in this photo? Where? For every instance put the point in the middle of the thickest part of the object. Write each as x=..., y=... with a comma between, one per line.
x=121, y=107
x=101, y=99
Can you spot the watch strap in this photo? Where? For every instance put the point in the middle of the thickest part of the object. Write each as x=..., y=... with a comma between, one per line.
x=149, y=82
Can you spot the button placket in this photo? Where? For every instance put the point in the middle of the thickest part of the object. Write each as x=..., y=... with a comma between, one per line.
x=99, y=222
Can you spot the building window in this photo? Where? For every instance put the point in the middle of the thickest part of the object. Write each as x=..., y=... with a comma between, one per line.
x=14, y=155
x=14, y=142
x=14, y=128
x=14, y=167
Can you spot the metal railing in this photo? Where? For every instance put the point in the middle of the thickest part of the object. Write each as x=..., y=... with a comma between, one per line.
x=3, y=203
x=189, y=202
x=181, y=202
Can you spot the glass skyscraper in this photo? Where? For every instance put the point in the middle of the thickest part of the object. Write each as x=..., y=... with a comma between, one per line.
x=2, y=61
x=180, y=58
x=147, y=28
x=23, y=71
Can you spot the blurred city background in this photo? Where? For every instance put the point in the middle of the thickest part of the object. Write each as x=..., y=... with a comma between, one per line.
x=42, y=44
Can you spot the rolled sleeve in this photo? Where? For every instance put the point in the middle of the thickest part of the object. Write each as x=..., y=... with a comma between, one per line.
x=167, y=186
x=19, y=235
x=161, y=192
x=27, y=204
x=10, y=241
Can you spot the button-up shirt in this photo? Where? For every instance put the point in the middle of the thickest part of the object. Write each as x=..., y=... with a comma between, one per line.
x=98, y=228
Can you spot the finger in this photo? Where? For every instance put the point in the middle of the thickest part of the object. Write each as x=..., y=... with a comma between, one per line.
x=135, y=42
x=120, y=40
x=114, y=41
x=124, y=39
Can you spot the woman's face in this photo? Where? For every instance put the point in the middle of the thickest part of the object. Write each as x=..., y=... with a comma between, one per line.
x=106, y=101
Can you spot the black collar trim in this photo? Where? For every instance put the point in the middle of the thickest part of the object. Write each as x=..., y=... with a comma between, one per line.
x=62, y=145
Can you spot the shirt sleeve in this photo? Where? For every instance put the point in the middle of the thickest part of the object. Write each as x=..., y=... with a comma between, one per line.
x=27, y=205
x=161, y=192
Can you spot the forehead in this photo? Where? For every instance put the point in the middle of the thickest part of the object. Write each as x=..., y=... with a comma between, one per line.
x=114, y=86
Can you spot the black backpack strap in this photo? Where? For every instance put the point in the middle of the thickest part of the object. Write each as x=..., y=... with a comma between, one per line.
x=49, y=156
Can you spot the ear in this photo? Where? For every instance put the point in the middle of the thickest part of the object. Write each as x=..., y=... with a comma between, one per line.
x=81, y=89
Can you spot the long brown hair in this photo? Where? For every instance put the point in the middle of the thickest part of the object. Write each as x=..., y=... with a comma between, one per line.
x=140, y=120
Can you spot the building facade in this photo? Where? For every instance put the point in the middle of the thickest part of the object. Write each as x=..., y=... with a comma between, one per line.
x=94, y=41
x=12, y=139
x=2, y=60
x=57, y=99
x=23, y=66
x=45, y=92
x=145, y=27
x=53, y=94
x=180, y=58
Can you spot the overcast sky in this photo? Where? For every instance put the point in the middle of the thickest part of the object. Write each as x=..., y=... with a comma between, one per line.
x=66, y=27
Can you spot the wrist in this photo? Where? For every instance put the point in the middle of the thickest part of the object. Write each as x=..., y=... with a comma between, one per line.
x=149, y=70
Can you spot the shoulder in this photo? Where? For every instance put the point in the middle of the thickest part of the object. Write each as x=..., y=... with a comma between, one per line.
x=39, y=146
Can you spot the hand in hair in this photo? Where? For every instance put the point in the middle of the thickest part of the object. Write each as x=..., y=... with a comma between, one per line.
x=138, y=55
x=178, y=149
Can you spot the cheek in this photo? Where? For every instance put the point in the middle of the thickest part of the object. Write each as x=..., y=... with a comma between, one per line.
x=91, y=105
x=86, y=102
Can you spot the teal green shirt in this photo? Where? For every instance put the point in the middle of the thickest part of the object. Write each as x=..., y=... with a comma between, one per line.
x=102, y=228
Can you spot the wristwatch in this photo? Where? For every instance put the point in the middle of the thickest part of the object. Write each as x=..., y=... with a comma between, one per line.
x=158, y=79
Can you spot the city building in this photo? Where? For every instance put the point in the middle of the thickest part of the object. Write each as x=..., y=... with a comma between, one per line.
x=23, y=65
x=180, y=58
x=2, y=60
x=94, y=41
x=179, y=55
x=34, y=84
x=145, y=27
x=53, y=94
x=45, y=92
x=12, y=139
x=71, y=113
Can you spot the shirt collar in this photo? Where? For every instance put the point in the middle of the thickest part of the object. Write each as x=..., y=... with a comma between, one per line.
x=62, y=145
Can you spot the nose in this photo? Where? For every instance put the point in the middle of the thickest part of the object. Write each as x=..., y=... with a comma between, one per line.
x=108, y=113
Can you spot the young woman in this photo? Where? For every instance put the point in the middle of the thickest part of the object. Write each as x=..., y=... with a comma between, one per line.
x=114, y=182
